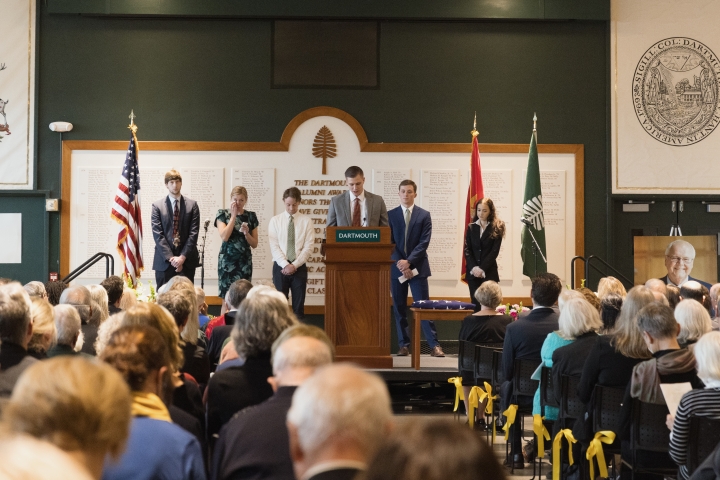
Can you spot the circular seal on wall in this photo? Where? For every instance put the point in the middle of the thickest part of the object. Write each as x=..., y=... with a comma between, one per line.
x=675, y=91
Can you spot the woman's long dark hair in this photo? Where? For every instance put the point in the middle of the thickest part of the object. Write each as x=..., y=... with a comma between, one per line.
x=497, y=225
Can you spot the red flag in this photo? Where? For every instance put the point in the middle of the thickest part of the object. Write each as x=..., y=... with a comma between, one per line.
x=475, y=191
x=126, y=211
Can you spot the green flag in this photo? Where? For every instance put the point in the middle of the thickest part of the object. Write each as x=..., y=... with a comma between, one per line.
x=533, y=213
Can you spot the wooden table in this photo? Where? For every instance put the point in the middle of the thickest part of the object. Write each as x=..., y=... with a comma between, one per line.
x=420, y=314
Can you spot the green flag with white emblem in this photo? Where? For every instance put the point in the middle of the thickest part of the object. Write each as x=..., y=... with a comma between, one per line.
x=534, y=218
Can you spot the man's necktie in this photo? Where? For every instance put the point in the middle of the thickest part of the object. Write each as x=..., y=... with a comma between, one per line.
x=356, y=214
x=291, y=241
x=176, y=222
x=407, y=224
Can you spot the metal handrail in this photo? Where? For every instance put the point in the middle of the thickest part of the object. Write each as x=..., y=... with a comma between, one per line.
x=572, y=269
x=109, y=266
x=615, y=270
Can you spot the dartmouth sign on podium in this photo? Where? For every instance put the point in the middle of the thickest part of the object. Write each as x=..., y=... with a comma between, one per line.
x=364, y=235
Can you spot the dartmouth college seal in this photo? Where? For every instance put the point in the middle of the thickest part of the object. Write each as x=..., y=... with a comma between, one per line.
x=675, y=91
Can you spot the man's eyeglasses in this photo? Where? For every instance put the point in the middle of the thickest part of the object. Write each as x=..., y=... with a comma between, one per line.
x=685, y=260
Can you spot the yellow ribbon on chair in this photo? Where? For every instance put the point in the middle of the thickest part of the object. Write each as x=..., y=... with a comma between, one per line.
x=595, y=450
x=490, y=397
x=458, y=391
x=541, y=433
x=557, y=444
x=510, y=414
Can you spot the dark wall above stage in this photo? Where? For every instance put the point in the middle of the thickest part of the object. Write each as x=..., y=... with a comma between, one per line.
x=210, y=79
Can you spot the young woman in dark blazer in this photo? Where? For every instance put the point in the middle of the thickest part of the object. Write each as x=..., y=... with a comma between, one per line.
x=482, y=246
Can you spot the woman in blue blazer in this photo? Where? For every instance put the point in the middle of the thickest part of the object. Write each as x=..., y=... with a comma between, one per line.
x=483, y=239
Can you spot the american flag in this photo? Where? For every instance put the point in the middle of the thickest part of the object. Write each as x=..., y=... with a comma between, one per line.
x=126, y=211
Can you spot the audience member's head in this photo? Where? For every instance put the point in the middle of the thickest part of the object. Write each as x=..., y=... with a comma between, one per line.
x=296, y=359
x=160, y=319
x=177, y=303
x=67, y=324
x=657, y=285
x=141, y=356
x=434, y=449
x=340, y=413
x=99, y=303
x=673, y=295
x=658, y=327
x=303, y=330
x=54, y=290
x=694, y=321
x=577, y=317
x=189, y=332
x=610, y=307
x=15, y=320
x=35, y=290
x=608, y=285
x=43, y=336
x=237, y=292
x=567, y=294
x=692, y=290
x=114, y=286
x=660, y=298
x=714, y=293
x=706, y=302
x=628, y=339
x=79, y=297
x=80, y=406
x=23, y=457
x=707, y=356
x=128, y=299
x=590, y=296
x=261, y=318
x=489, y=294
x=545, y=289
x=200, y=297
x=106, y=330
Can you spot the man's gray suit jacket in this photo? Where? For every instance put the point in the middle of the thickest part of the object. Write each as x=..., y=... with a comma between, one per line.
x=339, y=214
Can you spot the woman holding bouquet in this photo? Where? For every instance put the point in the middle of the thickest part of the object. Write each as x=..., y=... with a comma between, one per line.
x=482, y=245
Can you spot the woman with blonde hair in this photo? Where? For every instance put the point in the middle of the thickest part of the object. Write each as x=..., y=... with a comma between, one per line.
x=694, y=321
x=238, y=230
x=44, y=334
x=80, y=406
x=608, y=285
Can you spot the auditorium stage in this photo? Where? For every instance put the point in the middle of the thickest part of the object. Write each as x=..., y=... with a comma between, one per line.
x=421, y=391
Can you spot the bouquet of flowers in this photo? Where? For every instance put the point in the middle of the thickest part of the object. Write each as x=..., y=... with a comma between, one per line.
x=512, y=310
x=140, y=290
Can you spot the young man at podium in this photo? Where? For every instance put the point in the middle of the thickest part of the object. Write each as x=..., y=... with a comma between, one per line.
x=411, y=229
x=357, y=207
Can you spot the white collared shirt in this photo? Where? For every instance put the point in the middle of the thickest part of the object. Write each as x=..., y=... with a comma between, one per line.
x=670, y=282
x=482, y=230
x=172, y=202
x=304, y=238
x=363, y=208
x=405, y=209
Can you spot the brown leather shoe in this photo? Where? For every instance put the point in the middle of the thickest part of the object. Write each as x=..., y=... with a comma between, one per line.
x=403, y=352
x=437, y=352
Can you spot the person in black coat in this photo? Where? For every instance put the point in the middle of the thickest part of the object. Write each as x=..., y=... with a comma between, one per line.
x=262, y=316
x=483, y=238
x=524, y=339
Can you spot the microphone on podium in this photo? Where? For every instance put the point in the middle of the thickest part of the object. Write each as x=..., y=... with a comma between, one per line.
x=207, y=222
x=525, y=221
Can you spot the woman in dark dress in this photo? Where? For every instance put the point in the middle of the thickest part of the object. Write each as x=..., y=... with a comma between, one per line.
x=483, y=239
x=484, y=326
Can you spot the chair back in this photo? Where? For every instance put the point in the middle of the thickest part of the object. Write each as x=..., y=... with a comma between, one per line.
x=570, y=405
x=523, y=385
x=649, y=431
x=484, y=362
x=497, y=374
x=547, y=399
x=705, y=436
x=466, y=356
x=606, y=408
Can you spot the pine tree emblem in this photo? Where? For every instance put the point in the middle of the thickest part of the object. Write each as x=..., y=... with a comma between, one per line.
x=324, y=146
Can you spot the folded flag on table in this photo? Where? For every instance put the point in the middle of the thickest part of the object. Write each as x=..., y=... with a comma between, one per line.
x=443, y=305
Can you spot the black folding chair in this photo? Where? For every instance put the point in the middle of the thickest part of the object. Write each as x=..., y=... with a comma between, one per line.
x=607, y=404
x=484, y=370
x=705, y=436
x=466, y=358
x=547, y=399
x=648, y=433
x=523, y=386
x=571, y=408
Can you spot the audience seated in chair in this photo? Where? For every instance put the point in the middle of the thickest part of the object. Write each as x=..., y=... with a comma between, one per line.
x=16, y=330
x=331, y=437
x=44, y=335
x=703, y=403
x=523, y=340
x=26, y=458
x=611, y=286
x=254, y=444
x=694, y=321
x=80, y=406
x=610, y=308
x=79, y=297
x=114, y=286
x=67, y=327
x=156, y=448
x=219, y=329
x=434, y=449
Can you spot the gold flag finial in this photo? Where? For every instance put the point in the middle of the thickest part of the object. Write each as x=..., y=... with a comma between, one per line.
x=132, y=125
x=474, y=131
x=535, y=122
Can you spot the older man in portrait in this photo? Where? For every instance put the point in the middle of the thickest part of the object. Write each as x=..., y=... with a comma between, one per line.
x=679, y=259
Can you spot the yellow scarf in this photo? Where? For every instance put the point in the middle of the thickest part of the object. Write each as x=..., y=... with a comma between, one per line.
x=149, y=405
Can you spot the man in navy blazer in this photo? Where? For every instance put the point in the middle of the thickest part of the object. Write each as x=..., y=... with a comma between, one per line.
x=175, y=246
x=411, y=263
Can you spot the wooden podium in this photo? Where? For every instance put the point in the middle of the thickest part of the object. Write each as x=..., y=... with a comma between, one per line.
x=357, y=294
